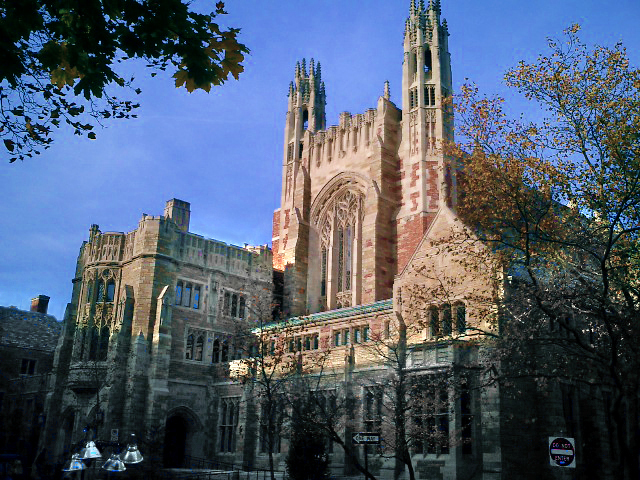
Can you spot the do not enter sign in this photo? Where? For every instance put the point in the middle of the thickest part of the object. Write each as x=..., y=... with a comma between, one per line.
x=562, y=452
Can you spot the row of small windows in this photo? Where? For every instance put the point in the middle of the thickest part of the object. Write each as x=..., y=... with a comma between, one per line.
x=221, y=351
x=441, y=320
x=298, y=344
x=353, y=335
x=234, y=305
x=188, y=294
x=106, y=291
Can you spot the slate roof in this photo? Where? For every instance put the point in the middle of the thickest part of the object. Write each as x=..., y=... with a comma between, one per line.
x=28, y=329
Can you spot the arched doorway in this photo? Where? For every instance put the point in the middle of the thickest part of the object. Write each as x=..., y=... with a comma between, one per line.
x=175, y=441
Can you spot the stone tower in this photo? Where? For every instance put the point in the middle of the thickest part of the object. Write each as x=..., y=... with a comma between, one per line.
x=357, y=197
x=426, y=175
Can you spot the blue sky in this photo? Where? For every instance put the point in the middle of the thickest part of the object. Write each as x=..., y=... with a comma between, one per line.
x=222, y=151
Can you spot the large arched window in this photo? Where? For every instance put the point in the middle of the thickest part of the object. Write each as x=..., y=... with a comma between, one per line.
x=339, y=224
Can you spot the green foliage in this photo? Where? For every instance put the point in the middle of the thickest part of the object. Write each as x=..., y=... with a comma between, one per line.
x=307, y=458
x=55, y=54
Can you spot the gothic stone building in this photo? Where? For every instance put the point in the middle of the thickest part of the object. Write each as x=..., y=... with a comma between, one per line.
x=151, y=325
x=365, y=208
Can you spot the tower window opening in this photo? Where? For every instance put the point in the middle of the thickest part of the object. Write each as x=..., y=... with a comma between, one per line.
x=413, y=98
x=305, y=119
x=428, y=66
x=414, y=63
x=430, y=96
x=300, y=147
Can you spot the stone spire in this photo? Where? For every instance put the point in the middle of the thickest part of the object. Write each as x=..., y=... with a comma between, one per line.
x=387, y=91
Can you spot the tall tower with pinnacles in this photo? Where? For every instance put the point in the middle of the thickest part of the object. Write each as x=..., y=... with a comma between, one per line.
x=357, y=197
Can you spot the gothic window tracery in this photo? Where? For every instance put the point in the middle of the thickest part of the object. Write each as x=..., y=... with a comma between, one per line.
x=339, y=220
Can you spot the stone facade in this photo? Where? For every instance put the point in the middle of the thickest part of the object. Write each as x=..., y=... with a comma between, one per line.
x=154, y=319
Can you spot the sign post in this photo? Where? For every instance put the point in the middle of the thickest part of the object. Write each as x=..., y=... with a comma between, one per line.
x=365, y=438
x=562, y=452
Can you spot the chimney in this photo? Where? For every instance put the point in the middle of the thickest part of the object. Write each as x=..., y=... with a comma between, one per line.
x=40, y=304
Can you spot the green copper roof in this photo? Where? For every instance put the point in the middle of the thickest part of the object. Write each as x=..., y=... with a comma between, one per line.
x=330, y=315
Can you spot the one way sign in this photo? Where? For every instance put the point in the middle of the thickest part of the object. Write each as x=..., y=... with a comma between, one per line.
x=365, y=438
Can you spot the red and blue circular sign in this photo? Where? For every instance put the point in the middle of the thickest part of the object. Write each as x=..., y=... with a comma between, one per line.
x=562, y=452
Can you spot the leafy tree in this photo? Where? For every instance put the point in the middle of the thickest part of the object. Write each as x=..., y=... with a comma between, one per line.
x=307, y=458
x=59, y=61
x=558, y=201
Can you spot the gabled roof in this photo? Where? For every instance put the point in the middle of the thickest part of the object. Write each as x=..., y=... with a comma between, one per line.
x=31, y=330
x=443, y=212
